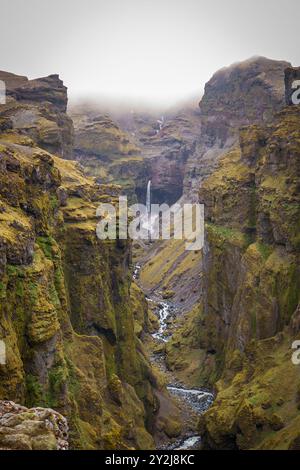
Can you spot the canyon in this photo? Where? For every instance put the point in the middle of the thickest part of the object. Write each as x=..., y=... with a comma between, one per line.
x=143, y=344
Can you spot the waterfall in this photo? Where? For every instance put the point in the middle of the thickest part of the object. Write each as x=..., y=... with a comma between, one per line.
x=148, y=197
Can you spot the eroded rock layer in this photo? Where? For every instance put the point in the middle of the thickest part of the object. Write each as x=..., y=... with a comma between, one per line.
x=250, y=316
x=37, y=108
x=66, y=316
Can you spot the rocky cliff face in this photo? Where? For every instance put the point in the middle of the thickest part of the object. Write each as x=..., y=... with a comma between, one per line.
x=250, y=315
x=166, y=143
x=131, y=148
x=245, y=93
x=37, y=108
x=66, y=315
x=239, y=338
x=106, y=151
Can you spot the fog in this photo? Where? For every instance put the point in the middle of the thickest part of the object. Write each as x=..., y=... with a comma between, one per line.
x=156, y=52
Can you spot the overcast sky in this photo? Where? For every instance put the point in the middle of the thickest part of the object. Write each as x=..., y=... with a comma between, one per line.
x=149, y=50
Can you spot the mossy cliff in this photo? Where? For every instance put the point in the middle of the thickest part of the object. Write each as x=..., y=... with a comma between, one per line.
x=37, y=108
x=65, y=309
x=250, y=313
x=248, y=92
x=31, y=429
x=66, y=315
x=129, y=148
x=106, y=151
x=251, y=91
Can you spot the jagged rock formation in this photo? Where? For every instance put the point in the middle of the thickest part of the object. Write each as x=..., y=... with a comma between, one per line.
x=31, y=429
x=250, y=315
x=66, y=315
x=245, y=93
x=132, y=148
x=37, y=108
x=106, y=151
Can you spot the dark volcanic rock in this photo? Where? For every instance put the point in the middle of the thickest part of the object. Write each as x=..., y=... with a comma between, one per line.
x=248, y=92
x=48, y=89
x=245, y=92
x=37, y=108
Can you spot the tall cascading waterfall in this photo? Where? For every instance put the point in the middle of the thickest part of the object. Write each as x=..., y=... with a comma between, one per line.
x=148, y=198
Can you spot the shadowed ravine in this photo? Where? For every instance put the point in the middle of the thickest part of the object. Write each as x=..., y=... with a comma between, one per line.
x=197, y=400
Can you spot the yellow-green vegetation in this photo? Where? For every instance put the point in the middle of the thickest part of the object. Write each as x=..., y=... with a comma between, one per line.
x=104, y=138
x=251, y=290
x=231, y=170
x=185, y=356
x=170, y=267
x=221, y=235
x=107, y=152
x=259, y=408
x=144, y=318
x=65, y=313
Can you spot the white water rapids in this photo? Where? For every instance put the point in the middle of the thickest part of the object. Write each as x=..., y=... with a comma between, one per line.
x=163, y=315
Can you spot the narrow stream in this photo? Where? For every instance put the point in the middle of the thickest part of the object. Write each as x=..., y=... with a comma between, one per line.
x=199, y=400
x=163, y=315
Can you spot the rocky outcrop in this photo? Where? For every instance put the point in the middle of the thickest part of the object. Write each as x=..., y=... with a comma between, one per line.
x=129, y=149
x=245, y=93
x=37, y=108
x=31, y=429
x=251, y=289
x=66, y=316
x=166, y=143
x=106, y=151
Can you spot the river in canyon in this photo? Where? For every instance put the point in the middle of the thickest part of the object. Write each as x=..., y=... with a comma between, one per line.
x=197, y=400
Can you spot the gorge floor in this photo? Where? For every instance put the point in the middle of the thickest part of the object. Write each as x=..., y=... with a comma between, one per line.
x=192, y=402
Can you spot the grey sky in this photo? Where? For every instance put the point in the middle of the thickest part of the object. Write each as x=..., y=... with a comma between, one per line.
x=149, y=50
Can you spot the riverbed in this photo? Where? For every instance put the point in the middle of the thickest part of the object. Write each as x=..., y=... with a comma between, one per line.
x=198, y=400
